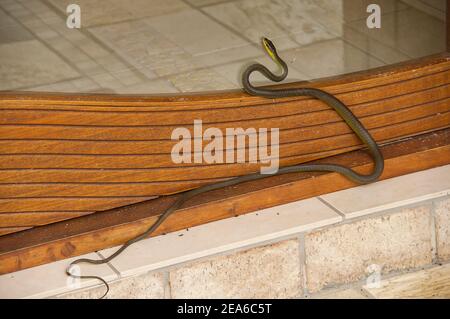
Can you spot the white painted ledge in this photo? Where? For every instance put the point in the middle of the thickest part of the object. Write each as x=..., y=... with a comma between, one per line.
x=50, y=279
x=223, y=236
x=391, y=193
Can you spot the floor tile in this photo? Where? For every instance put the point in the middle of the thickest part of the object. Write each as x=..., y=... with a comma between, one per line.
x=81, y=84
x=221, y=57
x=351, y=10
x=146, y=49
x=375, y=48
x=11, y=31
x=128, y=76
x=160, y=86
x=437, y=4
x=176, y=40
x=391, y=193
x=66, y=49
x=204, y=80
x=284, y=21
x=100, y=12
x=50, y=279
x=329, y=58
x=198, y=35
x=410, y=31
x=224, y=235
x=429, y=283
x=435, y=8
x=30, y=63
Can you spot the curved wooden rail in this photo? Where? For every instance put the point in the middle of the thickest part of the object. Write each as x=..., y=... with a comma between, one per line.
x=64, y=156
x=98, y=231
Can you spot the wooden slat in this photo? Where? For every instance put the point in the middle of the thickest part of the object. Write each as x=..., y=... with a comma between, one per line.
x=70, y=153
x=377, y=77
x=71, y=203
x=144, y=133
x=161, y=124
x=105, y=229
x=9, y=230
x=205, y=172
x=316, y=128
x=37, y=218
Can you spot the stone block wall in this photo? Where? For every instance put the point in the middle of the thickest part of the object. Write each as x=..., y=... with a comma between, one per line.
x=398, y=240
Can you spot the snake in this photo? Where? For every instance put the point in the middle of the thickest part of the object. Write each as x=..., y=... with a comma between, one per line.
x=341, y=109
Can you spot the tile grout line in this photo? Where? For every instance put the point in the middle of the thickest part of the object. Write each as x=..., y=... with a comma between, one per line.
x=88, y=34
x=428, y=7
x=36, y=37
x=114, y=269
x=45, y=44
x=396, y=46
x=167, y=285
x=434, y=244
x=377, y=214
x=368, y=54
x=212, y=4
x=256, y=45
x=383, y=212
x=239, y=35
x=332, y=207
x=66, y=80
x=302, y=260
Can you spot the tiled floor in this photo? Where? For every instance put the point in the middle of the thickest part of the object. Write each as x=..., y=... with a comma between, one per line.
x=167, y=46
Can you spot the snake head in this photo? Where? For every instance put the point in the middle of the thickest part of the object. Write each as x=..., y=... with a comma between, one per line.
x=270, y=48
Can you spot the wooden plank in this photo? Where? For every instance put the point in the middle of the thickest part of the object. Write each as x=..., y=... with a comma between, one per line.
x=105, y=229
x=9, y=230
x=281, y=113
x=63, y=153
x=18, y=131
x=318, y=123
x=37, y=218
x=205, y=172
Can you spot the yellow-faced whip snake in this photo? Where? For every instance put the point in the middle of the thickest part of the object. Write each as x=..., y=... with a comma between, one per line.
x=327, y=98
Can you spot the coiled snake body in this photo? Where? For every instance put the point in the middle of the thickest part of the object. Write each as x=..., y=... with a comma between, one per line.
x=327, y=98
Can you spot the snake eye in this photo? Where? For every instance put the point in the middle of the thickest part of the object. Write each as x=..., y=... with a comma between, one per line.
x=269, y=45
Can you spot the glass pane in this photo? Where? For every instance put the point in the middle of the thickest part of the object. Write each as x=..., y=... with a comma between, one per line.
x=169, y=46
